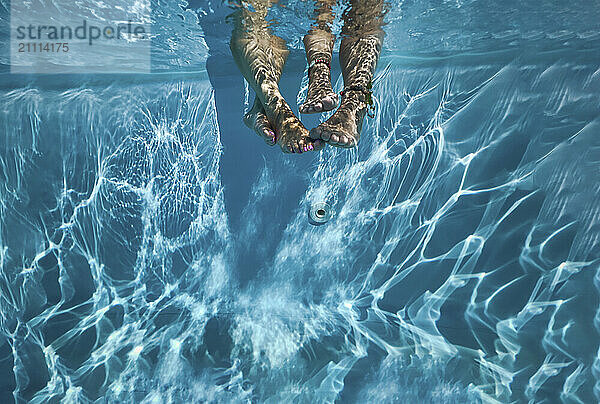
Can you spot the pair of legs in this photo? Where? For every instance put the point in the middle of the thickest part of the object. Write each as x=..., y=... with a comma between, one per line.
x=260, y=55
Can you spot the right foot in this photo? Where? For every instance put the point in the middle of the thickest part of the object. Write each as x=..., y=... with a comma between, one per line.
x=320, y=97
x=343, y=128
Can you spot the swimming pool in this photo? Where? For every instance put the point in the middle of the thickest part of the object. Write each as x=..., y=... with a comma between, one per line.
x=153, y=249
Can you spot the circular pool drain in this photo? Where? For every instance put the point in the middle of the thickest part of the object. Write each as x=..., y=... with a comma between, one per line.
x=319, y=213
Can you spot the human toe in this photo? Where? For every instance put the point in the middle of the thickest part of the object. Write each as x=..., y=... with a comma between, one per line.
x=334, y=138
x=315, y=133
x=303, y=144
x=308, y=108
x=348, y=141
x=269, y=136
x=329, y=102
x=316, y=107
x=325, y=134
x=248, y=119
x=292, y=146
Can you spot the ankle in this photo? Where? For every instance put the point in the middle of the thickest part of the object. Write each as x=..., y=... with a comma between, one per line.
x=269, y=91
x=319, y=64
x=278, y=110
x=357, y=96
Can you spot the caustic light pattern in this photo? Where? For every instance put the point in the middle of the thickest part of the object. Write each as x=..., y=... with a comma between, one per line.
x=460, y=263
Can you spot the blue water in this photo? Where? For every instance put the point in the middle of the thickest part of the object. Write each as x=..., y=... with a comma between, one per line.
x=153, y=249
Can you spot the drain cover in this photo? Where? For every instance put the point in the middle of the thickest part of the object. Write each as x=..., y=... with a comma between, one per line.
x=319, y=213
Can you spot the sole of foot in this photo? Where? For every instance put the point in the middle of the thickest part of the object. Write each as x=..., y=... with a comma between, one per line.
x=319, y=104
x=342, y=129
x=334, y=136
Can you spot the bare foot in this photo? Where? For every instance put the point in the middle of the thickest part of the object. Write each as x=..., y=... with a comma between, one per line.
x=321, y=96
x=292, y=136
x=260, y=55
x=343, y=128
x=256, y=119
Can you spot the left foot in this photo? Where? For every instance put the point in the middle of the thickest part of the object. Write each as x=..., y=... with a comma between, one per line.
x=292, y=136
x=318, y=44
x=343, y=128
x=256, y=119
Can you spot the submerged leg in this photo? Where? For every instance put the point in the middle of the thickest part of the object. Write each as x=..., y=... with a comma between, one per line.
x=359, y=53
x=318, y=44
x=260, y=55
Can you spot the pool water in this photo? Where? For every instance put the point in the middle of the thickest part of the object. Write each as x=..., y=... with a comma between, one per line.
x=153, y=249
